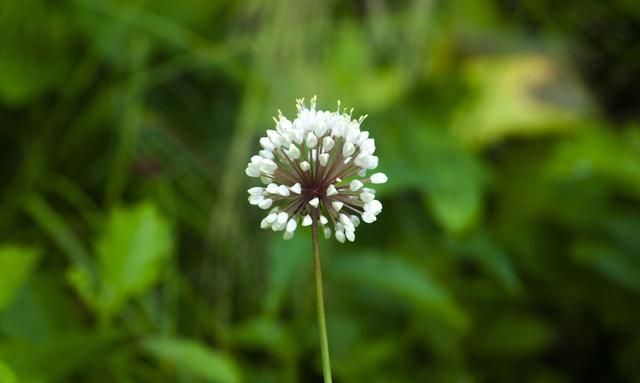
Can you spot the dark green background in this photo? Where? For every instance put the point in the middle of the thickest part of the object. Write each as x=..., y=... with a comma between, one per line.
x=509, y=245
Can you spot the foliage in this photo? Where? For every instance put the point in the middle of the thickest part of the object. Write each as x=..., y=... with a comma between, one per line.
x=509, y=248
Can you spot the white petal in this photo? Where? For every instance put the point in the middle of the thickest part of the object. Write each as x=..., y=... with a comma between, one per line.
x=266, y=154
x=331, y=190
x=284, y=125
x=266, y=143
x=312, y=140
x=307, y=220
x=287, y=137
x=314, y=202
x=373, y=162
x=373, y=207
x=265, y=204
x=355, y=185
x=327, y=143
x=282, y=218
x=265, y=180
x=297, y=135
x=320, y=129
x=351, y=236
x=264, y=223
x=340, y=236
x=368, y=217
x=293, y=152
x=296, y=188
x=367, y=197
x=269, y=166
x=323, y=220
x=338, y=179
x=324, y=158
x=256, y=190
x=327, y=232
x=366, y=161
x=256, y=199
x=378, y=178
x=337, y=205
x=275, y=137
x=272, y=188
x=271, y=218
x=304, y=165
x=353, y=131
x=283, y=190
x=346, y=160
x=287, y=235
x=348, y=149
x=292, y=225
x=362, y=137
x=252, y=171
x=368, y=146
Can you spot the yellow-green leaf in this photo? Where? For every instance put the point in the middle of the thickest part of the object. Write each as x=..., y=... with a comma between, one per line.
x=16, y=263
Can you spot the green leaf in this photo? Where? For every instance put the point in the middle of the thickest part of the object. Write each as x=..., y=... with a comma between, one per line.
x=132, y=249
x=452, y=180
x=519, y=95
x=600, y=153
x=491, y=257
x=264, y=333
x=393, y=274
x=194, y=358
x=41, y=309
x=56, y=358
x=513, y=335
x=55, y=226
x=34, y=40
x=6, y=374
x=287, y=260
x=617, y=266
x=16, y=264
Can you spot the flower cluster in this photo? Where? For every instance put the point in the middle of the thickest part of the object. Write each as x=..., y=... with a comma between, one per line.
x=314, y=169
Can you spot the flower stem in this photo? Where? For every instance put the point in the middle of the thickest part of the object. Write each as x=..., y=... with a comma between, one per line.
x=322, y=326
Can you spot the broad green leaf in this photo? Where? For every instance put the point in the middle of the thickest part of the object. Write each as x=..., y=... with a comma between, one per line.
x=513, y=335
x=264, y=333
x=55, y=226
x=519, y=95
x=33, y=41
x=451, y=179
x=373, y=87
x=194, y=358
x=40, y=310
x=600, y=153
x=490, y=256
x=132, y=250
x=393, y=274
x=617, y=266
x=287, y=259
x=56, y=358
x=16, y=264
x=6, y=374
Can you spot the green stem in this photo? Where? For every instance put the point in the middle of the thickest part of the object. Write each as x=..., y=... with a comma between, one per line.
x=324, y=341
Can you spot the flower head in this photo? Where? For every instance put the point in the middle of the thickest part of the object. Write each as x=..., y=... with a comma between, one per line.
x=315, y=171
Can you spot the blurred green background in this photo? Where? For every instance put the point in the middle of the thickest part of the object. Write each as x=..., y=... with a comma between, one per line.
x=509, y=245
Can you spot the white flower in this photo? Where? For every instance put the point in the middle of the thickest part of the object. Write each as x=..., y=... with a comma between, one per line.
x=378, y=178
x=315, y=167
